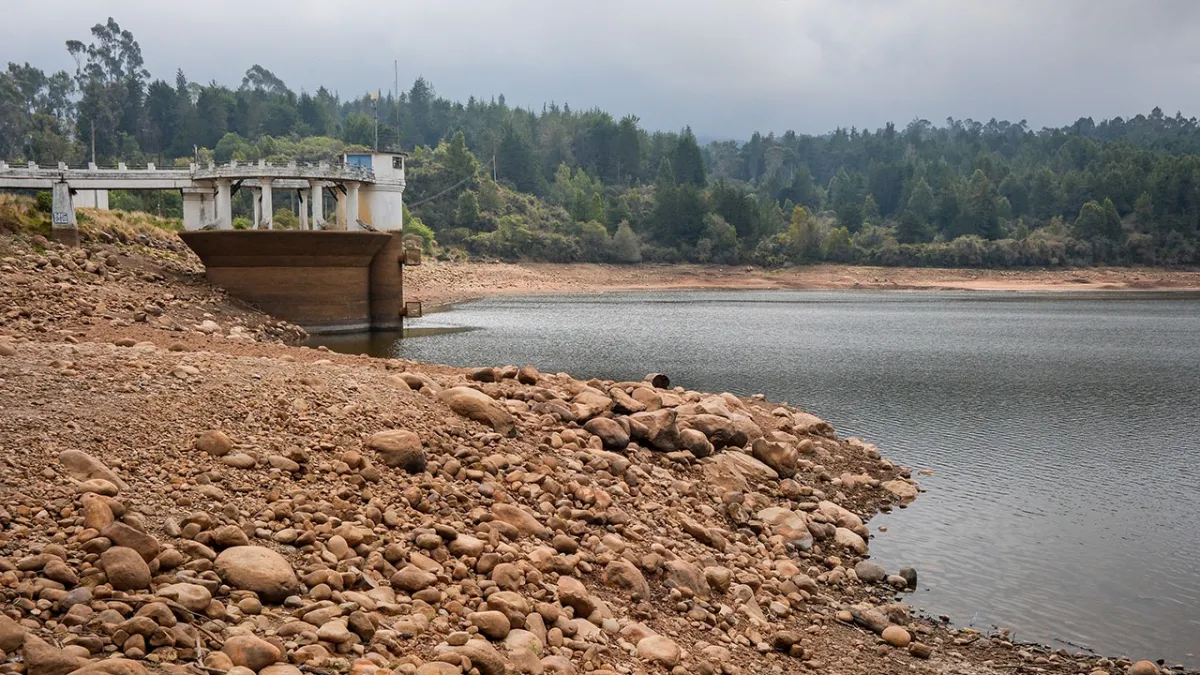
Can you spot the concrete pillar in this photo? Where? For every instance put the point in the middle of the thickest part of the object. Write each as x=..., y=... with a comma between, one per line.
x=256, y=200
x=64, y=228
x=341, y=208
x=352, y=206
x=303, y=209
x=317, y=197
x=224, y=206
x=208, y=209
x=193, y=209
x=268, y=208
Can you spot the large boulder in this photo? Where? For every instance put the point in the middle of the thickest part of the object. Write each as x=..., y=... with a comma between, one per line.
x=124, y=535
x=695, y=442
x=624, y=575
x=592, y=402
x=191, y=596
x=125, y=569
x=624, y=403
x=869, y=572
x=251, y=652
x=903, y=489
x=528, y=375
x=658, y=429
x=781, y=457
x=524, y=522
x=840, y=515
x=483, y=657
x=42, y=658
x=572, y=593
x=412, y=579
x=214, y=442
x=399, y=449
x=492, y=624
x=83, y=466
x=736, y=471
x=258, y=569
x=849, y=540
x=804, y=423
x=659, y=649
x=791, y=525
x=719, y=431
x=12, y=634
x=112, y=667
x=683, y=574
x=611, y=433
x=478, y=406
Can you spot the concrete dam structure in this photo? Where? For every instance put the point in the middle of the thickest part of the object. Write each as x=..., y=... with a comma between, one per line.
x=343, y=276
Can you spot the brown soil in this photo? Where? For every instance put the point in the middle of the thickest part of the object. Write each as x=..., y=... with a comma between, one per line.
x=105, y=350
x=438, y=283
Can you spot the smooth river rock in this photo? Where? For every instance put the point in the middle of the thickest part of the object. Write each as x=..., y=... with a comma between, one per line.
x=258, y=569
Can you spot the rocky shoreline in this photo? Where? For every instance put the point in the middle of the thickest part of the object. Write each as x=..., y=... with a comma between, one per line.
x=184, y=490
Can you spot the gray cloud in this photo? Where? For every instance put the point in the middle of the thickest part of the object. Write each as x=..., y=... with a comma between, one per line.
x=726, y=68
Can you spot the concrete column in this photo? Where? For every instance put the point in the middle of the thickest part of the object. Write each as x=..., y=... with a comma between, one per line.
x=317, y=197
x=208, y=209
x=352, y=206
x=268, y=208
x=256, y=199
x=303, y=209
x=224, y=206
x=341, y=208
x=193, y=210
x=64, y=228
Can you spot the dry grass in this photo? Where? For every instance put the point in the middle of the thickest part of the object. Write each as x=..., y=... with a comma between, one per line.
x=20, y=215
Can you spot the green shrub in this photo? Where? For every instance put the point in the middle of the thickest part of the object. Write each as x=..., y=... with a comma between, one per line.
x=415, y=227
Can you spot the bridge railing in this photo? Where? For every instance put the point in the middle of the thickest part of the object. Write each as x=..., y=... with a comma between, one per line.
x=320, y=170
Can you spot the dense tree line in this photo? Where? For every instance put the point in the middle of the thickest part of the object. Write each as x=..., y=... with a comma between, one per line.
x=561, y=184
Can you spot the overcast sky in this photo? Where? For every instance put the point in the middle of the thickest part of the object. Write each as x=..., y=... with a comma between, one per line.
x=726, y=67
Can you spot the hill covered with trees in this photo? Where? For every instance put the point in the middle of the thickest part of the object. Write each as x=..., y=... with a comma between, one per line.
x=488, y=179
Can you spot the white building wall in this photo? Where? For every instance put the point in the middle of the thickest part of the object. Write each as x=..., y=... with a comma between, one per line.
x=381, y=205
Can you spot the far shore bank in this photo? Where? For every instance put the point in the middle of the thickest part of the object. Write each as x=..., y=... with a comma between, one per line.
x=443, y=283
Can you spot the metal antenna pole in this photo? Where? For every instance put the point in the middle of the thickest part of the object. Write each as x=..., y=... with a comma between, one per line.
x=396, y=101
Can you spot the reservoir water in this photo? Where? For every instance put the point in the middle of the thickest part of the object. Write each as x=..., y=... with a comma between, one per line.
x=1063, y=432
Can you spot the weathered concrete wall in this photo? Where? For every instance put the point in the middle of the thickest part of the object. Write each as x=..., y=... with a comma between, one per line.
x=320, y=280
x=387, y=284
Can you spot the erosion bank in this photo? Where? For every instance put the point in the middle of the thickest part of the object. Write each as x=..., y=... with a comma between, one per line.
x=439, y=283
x=182, y=487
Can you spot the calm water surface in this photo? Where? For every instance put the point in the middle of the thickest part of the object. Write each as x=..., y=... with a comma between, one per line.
x=1063, y=433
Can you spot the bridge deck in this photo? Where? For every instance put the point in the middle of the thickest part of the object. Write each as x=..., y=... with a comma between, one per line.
x=293, y=175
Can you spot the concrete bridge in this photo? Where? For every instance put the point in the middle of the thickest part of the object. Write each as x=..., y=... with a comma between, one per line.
x=369, y=189
x=326, y=277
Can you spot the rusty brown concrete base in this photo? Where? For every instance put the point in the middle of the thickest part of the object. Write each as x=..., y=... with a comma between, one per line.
x=67, y=236
x=387, y=285
x=319, y=280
